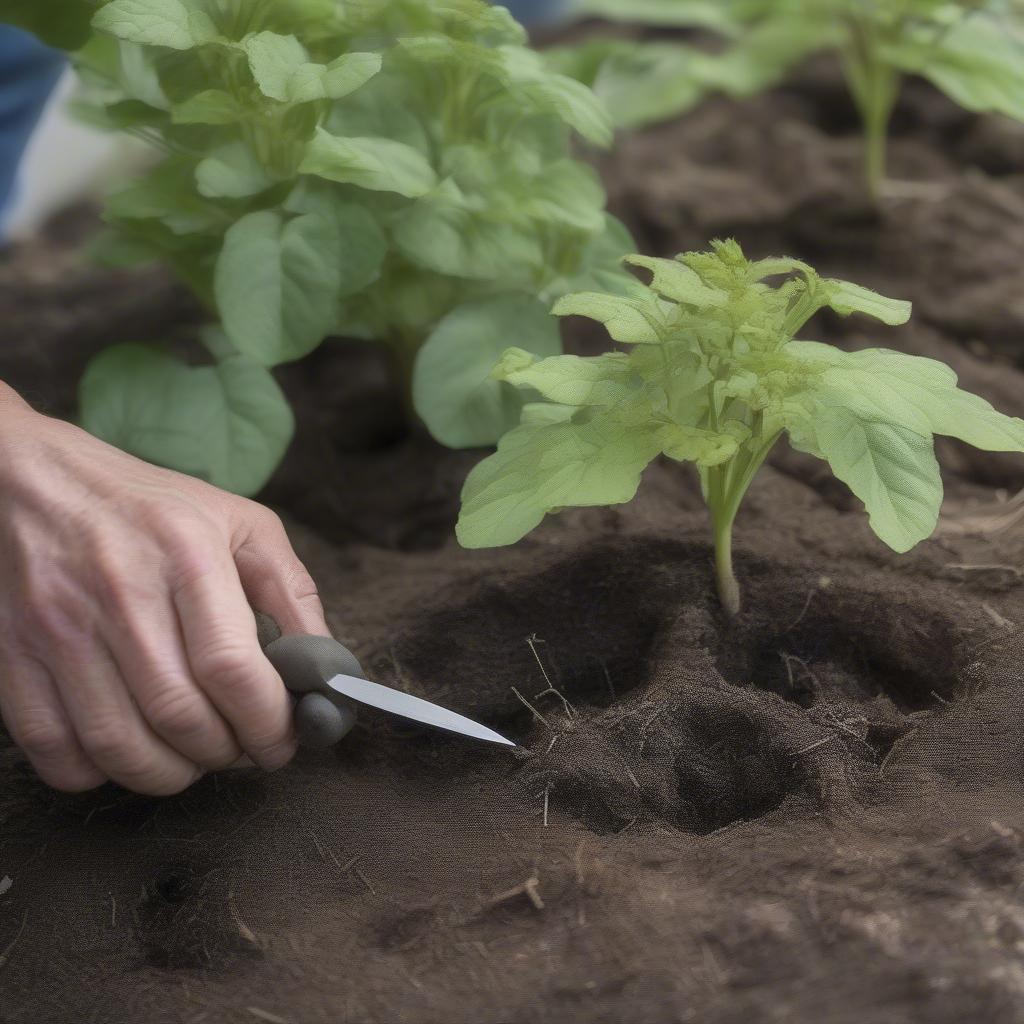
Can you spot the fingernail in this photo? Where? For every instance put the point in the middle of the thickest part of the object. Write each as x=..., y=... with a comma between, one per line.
x=277, y=757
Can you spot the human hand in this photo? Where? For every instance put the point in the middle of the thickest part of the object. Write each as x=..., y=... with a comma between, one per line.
x=128, y=646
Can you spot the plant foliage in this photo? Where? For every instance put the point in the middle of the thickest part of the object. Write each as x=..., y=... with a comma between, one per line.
x=973, y=50
x=714, y=375
x=398, y=170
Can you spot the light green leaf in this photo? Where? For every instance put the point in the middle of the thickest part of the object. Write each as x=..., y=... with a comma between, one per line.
x=891, y=468
x=568, y=192
x=921, y=394
x=371, y=163
x=232, y=171
x=273, y=60
x=978, y=62
x=333, y=81
x=462, y=405
x=177, y=24
x=212, y=106
x=228, y=424
x=692, y=444
x=545, y=413
x=678, y=282
x=635, y=320
x=277, y=284
x=571, y=101
x=542, y=467
x=166, y=194
x=643, y=83
x=363, y=243
x=440, y=233
x=600, y=266
x=846, y=298
x=569, y=380
x=283, y=71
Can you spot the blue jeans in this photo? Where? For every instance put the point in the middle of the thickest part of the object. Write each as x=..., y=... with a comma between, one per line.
x=535, y=12
x=28, y=73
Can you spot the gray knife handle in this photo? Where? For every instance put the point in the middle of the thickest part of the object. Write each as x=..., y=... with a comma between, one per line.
x=304, y=663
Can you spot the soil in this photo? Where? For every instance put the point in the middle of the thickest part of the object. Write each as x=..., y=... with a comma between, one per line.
x=815, y=814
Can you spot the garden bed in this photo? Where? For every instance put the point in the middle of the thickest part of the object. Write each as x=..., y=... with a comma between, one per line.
x=813, y=814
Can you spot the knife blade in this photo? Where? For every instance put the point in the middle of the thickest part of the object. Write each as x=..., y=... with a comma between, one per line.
x=395, y=702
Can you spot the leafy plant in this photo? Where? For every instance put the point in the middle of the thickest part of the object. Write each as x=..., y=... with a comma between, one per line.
x=973, y=50
x=715, y=376
x=398, y=170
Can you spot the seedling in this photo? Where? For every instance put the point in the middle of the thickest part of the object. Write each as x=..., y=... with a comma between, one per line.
x=973, y=50
x=715, y=376
x=398, y=170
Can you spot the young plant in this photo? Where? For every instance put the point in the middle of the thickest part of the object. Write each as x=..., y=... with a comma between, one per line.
x=973, y=50
x=398, y=170
x=715, y=376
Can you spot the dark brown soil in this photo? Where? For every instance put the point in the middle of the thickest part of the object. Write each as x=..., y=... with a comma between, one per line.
x=813, y=815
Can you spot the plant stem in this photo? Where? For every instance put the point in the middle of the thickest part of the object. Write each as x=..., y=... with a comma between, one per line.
x=885, y=85
x=726, y=487
x=874, y=84
x=728, y=587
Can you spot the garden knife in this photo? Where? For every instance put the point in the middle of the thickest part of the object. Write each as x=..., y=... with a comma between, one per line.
x=328, y=683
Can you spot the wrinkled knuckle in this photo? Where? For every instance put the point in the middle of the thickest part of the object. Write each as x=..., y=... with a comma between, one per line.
x=267, y=519
x=301, y=584
x=227, y=668
x=110, y=742
x=189, y=562
x=176, y=712
x=44, y=737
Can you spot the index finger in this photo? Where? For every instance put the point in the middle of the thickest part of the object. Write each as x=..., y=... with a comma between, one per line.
x=223, y=650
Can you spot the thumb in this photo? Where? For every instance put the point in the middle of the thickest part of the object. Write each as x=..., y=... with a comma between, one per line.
x=274, y=579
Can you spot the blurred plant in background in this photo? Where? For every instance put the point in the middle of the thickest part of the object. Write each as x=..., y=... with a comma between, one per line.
x=973, y=50
x=396, y=170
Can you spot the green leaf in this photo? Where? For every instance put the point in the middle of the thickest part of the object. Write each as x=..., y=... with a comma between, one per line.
x=541, y=467
x=568, y=192
x=571, y=101
x=978, y=62
x=212, y=106
x=177, y=24
x=462, y=405
x=919, y=393
x=693, y=444
x=228, y=424
x=277, y=284
x=282, y=70
x=678, y=282
x=273, y=60
x=165, y=193
x=440, y=233
x=846, y=298
x=643, y=83
x=569, y=380
x=376, y=164
x=334, y=81
x=635, y=320
x=232, y=171
x=600, y=266
x=891, y=468
x=363, y=243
